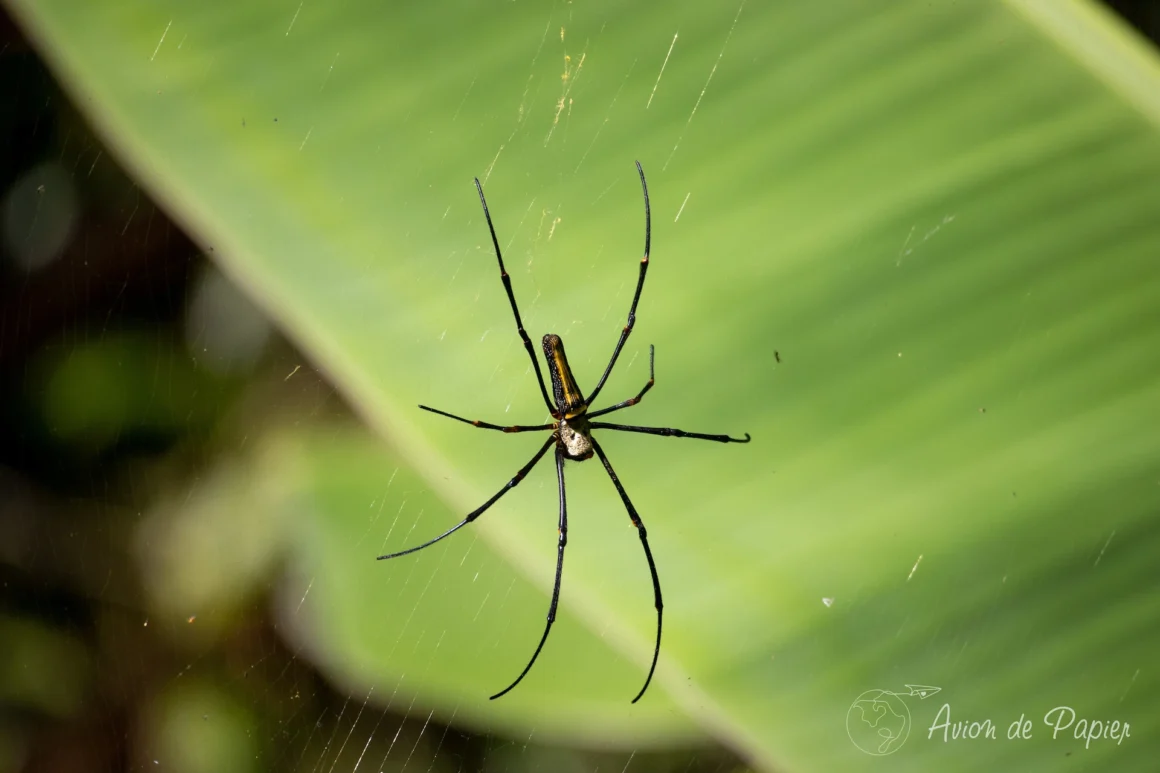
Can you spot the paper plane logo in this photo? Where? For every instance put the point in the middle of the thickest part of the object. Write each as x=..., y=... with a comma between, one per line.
x=878, y=721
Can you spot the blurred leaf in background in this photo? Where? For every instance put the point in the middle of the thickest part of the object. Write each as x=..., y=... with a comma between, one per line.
x=909, y=247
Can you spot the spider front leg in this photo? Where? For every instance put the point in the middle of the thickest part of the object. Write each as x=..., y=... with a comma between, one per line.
x=652, y=567
x=634, y=400
x=561, y=542
x=511, y=484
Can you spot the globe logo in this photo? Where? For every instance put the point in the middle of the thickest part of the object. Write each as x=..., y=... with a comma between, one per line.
x=878, y=721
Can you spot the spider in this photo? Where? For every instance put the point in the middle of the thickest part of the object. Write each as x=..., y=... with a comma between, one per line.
x=571, y=429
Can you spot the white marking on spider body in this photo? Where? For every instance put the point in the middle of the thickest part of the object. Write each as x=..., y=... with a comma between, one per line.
x=577, y=444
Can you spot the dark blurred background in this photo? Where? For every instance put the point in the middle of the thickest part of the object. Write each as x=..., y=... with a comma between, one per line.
x=126, y=362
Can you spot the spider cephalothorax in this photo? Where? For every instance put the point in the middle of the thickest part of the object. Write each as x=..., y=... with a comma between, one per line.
x=574, y=438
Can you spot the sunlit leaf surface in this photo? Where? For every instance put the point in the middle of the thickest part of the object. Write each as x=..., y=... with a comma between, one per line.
x=910, y=247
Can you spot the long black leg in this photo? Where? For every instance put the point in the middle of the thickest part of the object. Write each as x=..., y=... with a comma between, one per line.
x=636, y=296
x=652, y=567
x=480, y=510
x=668, y=432
x=632, y=400
x=486, y=425
x=507, y=285
x=563, y=540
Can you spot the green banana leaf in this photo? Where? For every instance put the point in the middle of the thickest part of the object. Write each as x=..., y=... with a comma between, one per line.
x=910, y=247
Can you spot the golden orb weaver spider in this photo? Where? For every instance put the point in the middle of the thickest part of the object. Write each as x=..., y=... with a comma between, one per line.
x=571, y=429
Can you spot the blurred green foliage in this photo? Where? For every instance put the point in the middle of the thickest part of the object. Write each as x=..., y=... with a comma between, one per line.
x=94, y=393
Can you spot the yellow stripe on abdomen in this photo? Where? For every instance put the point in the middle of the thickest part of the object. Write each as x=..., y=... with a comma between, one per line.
x=569, y=399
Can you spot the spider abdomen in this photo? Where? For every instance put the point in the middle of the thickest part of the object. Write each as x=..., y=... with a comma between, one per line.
x=569, y=400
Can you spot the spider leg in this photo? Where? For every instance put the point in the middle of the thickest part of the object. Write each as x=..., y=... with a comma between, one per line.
x=652, y=567
x=563, y=540
x=486, y=425
x=480, y=510
x=507, y=286
x=633, y=400
x=636, y=296
x=669, y=432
